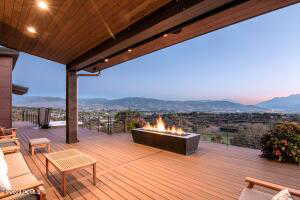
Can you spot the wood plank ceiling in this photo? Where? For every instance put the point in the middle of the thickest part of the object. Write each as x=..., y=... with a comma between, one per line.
x=83, y=33
x=70, y=27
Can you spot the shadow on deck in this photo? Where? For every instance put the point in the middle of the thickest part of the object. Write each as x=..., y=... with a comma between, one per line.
x=131, y=171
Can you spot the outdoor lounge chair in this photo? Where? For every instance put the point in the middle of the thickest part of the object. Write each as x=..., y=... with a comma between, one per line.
x=21, y=179
x=249, y=193
x=8, y=133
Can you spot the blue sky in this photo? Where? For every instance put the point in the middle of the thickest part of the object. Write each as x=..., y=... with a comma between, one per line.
x=247, y=62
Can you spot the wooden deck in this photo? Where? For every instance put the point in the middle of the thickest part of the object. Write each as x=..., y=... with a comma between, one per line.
x=131, y=171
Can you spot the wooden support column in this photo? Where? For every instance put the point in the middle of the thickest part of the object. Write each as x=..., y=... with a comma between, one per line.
x=6, y=66
x=71, y=107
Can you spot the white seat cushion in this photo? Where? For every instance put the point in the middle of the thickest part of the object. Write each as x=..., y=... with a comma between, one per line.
x=16, y=165
x=39, y=141
x=252, y=194
x=24, y=181
x=4, y=180
x=283, y=195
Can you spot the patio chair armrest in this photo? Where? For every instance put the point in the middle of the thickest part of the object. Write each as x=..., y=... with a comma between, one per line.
x=8, y=150
x=253, y=181
x=9, y=140
x=10, y=130
x=3, y=137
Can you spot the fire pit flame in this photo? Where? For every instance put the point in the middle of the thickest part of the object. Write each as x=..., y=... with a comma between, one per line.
x=161, y=127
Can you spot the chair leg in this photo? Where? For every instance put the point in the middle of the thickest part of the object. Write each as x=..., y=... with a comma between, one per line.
x=63, y=184
x=32, y=150
x=94, y=174
x=42, y=192
x=47, y=168
x=49, y=148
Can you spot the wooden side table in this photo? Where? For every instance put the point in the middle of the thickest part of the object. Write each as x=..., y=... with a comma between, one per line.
x=67, y=161
x=39, y=143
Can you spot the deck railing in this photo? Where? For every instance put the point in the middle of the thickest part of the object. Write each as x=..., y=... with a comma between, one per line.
x=26, y=115
x=245, y=135
x=101, y=124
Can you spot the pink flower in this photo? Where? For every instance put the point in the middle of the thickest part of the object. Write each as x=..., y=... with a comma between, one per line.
x=278, y=152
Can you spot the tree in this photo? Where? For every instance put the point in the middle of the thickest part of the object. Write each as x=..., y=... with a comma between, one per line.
x=249, y=136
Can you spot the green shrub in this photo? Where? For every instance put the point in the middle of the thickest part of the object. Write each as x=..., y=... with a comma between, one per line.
x=217, y=138
x=282, y=143
x=135, y=123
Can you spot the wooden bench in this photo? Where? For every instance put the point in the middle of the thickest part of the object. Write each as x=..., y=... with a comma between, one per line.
x=39, y=143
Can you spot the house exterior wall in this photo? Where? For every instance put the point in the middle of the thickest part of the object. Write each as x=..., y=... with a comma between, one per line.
x=6, y=64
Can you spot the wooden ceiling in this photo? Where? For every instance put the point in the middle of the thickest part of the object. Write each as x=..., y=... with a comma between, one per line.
x=70, y=27
x=83, y=33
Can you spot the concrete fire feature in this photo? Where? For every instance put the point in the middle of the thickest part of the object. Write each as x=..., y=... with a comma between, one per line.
x=185, y=144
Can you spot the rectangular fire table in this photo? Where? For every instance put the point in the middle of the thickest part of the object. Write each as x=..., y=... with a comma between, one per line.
x=184, y=144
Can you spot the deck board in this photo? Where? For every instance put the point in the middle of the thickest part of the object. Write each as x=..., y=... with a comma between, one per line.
x=126, y=170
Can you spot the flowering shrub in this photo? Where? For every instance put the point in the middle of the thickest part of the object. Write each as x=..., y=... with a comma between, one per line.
x=282, y=143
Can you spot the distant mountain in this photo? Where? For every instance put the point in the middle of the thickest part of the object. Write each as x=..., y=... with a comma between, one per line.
x=148, y=104
x=284, y=104
x=230, y=100
x=142, y=104
x=93, y=101
x=36, y=101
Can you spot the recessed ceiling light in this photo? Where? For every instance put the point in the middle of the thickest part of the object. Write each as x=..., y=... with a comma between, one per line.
x=42, y=5
x=31, y=29
x=165, y=35
x=106, y=60
x=129, y=50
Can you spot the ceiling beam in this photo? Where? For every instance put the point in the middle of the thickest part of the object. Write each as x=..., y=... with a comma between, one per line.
x=162, y=20
x=192, y=22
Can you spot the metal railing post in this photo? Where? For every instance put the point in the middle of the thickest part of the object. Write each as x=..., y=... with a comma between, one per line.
x=98, y=124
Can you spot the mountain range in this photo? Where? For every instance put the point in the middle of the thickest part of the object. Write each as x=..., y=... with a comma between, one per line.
x=283, y=104
x=278, y=104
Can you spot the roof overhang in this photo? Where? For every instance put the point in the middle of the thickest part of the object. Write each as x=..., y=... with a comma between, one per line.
x=94, y=35
x=6, y=52
x=19, y=90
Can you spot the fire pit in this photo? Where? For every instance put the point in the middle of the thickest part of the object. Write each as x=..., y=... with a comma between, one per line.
x=171, y=139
